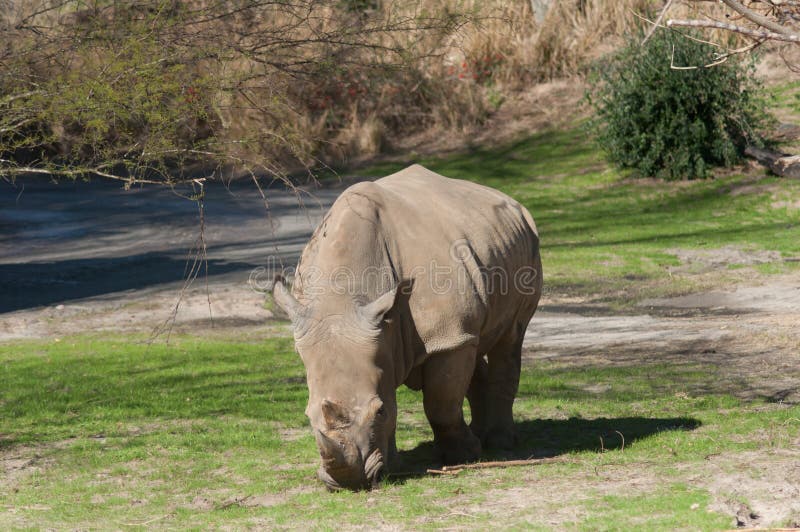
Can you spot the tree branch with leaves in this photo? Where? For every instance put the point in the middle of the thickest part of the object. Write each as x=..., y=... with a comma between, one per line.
x=163, y=91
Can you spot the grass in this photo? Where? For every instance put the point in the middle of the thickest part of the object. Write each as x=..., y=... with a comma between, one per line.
x=121, y=433
x=605, y=233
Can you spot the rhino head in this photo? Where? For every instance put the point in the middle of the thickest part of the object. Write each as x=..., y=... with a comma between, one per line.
x=352, y=407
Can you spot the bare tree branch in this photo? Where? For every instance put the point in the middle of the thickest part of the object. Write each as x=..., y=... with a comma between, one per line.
x=756, y=34
x=762, y=20
x=752, y=16
x=657, y=23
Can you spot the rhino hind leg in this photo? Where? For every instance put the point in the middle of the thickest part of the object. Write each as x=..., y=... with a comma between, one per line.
x=446, y=379
x=478, y=396
x=504, y=361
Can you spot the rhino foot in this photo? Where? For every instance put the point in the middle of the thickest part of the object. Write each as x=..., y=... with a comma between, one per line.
x=460, y=451
x=503, y=439
x=478, y=431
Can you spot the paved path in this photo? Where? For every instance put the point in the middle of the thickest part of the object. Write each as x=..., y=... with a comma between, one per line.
x=70, y=241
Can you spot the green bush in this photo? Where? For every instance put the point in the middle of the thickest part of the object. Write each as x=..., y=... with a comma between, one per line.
x=675, y=123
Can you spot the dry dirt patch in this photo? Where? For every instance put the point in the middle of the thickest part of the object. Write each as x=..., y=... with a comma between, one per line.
x=778, y=300
x=769, y=482
x=20, y=461
x=756, y=489
x=223, y=308
x=704, y=260
x=535, y=500
x=216, y=500
x=748, y=334
x=786, y=204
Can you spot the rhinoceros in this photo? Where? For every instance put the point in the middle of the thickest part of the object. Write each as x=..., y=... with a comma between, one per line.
x=412, y=279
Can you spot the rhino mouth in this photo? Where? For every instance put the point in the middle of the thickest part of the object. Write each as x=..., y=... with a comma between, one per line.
x=365, y=479
x=328, y=480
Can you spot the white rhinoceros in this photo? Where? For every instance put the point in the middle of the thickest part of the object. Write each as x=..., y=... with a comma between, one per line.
x=413, y=279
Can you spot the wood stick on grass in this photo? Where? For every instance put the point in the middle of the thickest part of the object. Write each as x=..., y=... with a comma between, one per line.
x=455, y=469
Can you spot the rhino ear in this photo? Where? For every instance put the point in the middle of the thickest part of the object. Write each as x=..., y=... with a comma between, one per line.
x=284, y=298
x=335, y=414
x=374, y=313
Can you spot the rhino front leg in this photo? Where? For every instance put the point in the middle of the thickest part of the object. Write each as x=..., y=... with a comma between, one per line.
x=446, y=378
x=504, y=368
x=392, y=448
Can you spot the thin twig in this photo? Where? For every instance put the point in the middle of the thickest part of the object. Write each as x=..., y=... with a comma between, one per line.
x=685, y=35
x=143, y=523
x=204, y=246
x=719, y=59
x=17, y=170
x=442, y=472
x=455, y=469
x=623, y=440
x=237, y=501
x=657, y=23
x=198, y=258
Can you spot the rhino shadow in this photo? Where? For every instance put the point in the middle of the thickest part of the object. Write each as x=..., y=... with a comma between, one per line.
x=545, y=438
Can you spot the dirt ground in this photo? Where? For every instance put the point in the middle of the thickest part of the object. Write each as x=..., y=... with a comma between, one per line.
x=749, y=332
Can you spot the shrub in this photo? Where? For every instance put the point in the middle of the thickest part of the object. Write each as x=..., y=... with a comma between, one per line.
x=675, y=123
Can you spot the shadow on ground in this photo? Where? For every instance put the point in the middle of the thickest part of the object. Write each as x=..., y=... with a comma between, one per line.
x=545, y=438
x=35, y=284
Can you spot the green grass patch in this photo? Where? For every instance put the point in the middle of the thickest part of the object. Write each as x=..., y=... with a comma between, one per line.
x=676, y=507
x=784, y=101
x=107, y=432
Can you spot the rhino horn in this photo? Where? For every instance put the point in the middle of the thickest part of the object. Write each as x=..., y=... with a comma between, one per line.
x=284, y=298
x=330, y=451
x=373, y=313
x=335, y=414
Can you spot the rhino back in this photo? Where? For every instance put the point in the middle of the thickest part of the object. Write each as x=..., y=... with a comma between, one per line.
x=438, y=235
x=475, y=236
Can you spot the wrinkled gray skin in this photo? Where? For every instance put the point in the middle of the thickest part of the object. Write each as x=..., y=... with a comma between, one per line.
x=402, y=284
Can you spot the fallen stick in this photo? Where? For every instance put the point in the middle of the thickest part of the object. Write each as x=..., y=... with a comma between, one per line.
x=232, y=502
x=456, y=469
x=442, y=472
x=145, y=523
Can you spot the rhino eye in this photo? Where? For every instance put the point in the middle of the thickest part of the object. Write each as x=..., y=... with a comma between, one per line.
x=381, y=412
